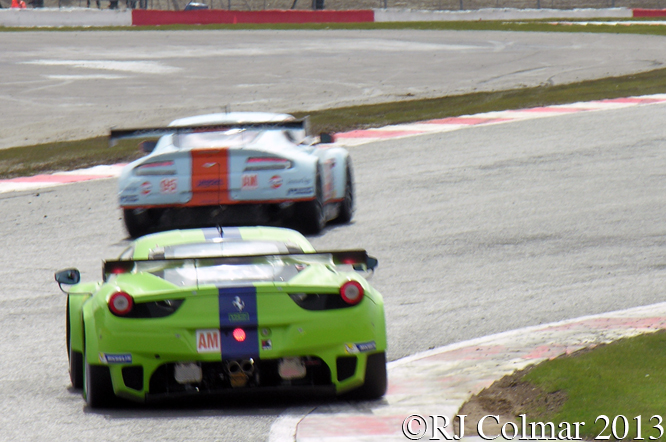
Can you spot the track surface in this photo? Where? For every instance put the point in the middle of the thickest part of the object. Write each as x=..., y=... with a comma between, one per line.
x=478, y=231
x=68, y=85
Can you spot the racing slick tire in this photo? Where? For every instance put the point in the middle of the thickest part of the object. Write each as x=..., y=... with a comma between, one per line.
x=346, y=211
x=375, y=383
x=310, y=215
x=138, y=222
x=76, y=369
x=75, y=357
x=97, y=385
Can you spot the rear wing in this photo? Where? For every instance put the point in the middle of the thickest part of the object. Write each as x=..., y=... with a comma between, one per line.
x=359, y=260
x=154, y=132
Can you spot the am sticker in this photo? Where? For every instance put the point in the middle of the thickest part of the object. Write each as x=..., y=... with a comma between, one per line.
x=208, y=341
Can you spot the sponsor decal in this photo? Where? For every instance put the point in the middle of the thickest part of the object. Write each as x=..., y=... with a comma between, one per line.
x=266, y=344
x=209, y=183
x=275, y=181
x=129, y=199
x=208, y=341
x=299, y=181
x=239, y=317
x=169, y=185
x=329, y=180
x=146, y=188
x=111, y=358
x=249, y=181
x=301, y=191
x=362, y=347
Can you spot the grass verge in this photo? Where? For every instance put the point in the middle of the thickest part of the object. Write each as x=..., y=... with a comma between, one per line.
x=547, y=25
x=29, y=160
x=622, y=379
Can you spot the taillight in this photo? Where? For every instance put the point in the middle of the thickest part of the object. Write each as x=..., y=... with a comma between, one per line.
x=351, y=292
x=239, y=334
x=120, y=303
x=267, y=163
x=157, y=168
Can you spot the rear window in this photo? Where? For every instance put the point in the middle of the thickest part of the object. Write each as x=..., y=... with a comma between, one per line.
x=230, y=271
x=224, y=248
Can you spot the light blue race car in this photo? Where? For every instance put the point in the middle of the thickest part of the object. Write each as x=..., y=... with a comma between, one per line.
x=237, y=168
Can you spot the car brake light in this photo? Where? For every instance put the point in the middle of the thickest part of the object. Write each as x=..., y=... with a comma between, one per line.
x=351, y=292
x=120, y=303
x=157, y=168
x=239, y=334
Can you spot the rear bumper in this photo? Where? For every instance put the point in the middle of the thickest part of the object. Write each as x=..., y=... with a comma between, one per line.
x=281, y=391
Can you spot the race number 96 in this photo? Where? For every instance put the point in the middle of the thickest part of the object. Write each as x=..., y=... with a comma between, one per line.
x=168, y=185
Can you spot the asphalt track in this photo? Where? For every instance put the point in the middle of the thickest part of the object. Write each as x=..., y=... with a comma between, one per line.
x=68, y=85
x=478, y=231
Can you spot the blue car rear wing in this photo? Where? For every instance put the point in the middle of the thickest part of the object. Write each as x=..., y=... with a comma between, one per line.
x=154, y=132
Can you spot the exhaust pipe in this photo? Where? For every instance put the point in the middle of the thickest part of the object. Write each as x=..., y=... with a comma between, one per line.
x=240, y=372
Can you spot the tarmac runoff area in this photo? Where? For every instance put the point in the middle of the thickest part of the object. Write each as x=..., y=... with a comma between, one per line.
x=438, y=381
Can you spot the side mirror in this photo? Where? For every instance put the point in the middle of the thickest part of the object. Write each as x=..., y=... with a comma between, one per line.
x=372, y=263
x=68, y=277
x=147, y=146
x=326, y=138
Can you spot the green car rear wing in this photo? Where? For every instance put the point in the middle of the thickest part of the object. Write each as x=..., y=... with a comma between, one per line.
x=357, y=259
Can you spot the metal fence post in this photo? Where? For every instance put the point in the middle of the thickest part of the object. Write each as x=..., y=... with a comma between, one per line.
x=461, y=5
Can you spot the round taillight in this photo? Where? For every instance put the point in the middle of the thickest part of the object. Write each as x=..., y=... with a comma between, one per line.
x=239, y=334
x=351, y=292
x=121, y=303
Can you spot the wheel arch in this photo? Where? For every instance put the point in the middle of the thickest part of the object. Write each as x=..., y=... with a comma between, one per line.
x=75, y=321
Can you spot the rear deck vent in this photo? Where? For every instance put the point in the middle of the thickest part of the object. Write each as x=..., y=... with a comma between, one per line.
x=133, y=377
x=346, y=366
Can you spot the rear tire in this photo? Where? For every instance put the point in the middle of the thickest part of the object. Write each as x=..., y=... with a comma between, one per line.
x=310, y=215
x=346, y=211
x=138, y=222
x=375, y=382
x=98, y=387
x=75, y=357
x=76, y=369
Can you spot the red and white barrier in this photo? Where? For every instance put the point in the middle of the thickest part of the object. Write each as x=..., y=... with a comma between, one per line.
x=45, y=17
x=649, y=12
x=144, y=17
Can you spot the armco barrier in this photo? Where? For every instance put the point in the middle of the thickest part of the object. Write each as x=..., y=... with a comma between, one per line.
x=203, y=17
x=53, y=18
x=649, y=12
x=411, y=15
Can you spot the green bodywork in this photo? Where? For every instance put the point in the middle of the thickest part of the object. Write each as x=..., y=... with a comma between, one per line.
x=292, y=330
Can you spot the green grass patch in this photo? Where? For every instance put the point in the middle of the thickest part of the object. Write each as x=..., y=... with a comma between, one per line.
x=375, y=115
x=624, y=378
x=29, y=160
x=66, y=155
x=513, y=26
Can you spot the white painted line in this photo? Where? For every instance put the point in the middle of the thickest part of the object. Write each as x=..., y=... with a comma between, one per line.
x=284, y=428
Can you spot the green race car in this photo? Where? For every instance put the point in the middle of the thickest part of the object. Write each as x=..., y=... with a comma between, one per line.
x=190, y=313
